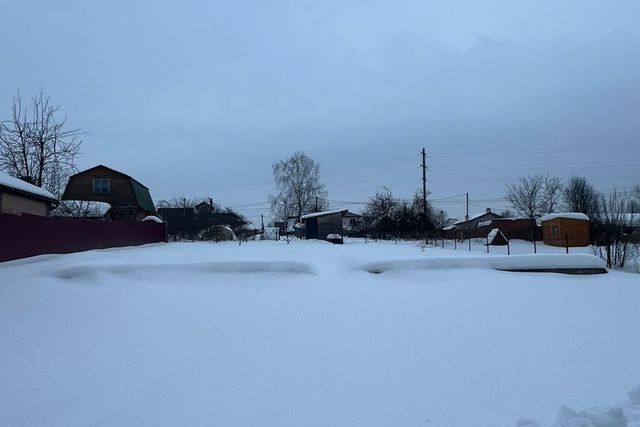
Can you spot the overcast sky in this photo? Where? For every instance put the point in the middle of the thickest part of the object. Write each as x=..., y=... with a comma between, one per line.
x=200, y=98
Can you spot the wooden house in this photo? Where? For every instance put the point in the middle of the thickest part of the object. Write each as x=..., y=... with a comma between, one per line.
x=129, y=199
x=320, y=225
x=566, y=229
x=18, y=197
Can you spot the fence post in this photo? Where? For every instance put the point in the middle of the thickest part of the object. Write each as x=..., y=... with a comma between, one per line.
x=566, y=242
x=487, y=244
x=508, y=248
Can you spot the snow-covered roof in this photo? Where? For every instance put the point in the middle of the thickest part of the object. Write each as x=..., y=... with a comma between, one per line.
x=23, y=187
x=566, y=215
x=478, y=215
x=484, y=223
x=317, y=214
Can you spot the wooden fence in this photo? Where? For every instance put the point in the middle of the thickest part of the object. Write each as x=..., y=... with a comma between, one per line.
x=26, y=235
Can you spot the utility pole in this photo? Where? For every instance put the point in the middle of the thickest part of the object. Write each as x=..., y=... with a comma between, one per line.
x=466, y=218
x=262, y=223
x=424, y=193
x=316, y=203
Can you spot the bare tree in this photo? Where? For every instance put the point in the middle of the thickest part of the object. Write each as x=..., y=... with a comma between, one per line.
x=81, y=209
x=527, y=196
x=552, y=193
x=636, y=197
x=535, y=195
x=298, y=186
x=581, y=196
x=381, y=212
x=35, y=144
x=615, y=240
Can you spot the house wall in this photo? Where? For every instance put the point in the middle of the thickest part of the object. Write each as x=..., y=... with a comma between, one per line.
x=80, y=187
x=17, y=205
x=329, y=224
x=556, y=231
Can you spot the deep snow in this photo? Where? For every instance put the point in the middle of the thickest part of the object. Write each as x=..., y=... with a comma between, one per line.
x=273, y=334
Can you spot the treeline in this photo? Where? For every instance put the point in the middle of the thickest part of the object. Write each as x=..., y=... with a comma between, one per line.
x=386, y=216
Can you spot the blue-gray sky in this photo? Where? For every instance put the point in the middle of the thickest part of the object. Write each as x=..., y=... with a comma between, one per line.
x=201, y=97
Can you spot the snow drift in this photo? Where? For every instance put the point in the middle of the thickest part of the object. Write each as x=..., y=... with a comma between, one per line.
x=539, y=262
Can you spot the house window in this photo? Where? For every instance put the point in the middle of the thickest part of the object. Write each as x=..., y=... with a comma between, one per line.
x=101, y=186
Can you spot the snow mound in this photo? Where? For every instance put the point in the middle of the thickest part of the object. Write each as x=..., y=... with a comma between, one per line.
x=91, y=271
x=508, y=263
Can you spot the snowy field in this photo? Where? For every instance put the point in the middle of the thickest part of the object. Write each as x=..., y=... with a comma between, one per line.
x=199, y=334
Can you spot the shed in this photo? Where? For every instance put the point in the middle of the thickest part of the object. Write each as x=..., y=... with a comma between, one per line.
x=562, y=229
x=129, y=199
x=319, y=225
x=18, y=197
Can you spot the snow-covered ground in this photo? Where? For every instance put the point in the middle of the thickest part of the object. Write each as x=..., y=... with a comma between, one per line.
x=267, y=333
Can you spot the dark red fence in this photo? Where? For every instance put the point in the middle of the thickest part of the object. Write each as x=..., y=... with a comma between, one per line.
x=26, y=235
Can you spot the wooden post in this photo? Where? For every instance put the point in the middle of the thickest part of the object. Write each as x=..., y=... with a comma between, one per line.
x=508, y=248
x=487, y=244
x=566, y=242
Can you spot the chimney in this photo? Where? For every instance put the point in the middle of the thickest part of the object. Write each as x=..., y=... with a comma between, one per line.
x=488, y=210
x=211, y=201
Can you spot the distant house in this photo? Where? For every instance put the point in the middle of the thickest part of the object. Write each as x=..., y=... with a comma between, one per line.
x=462, y=229
x=319, y=225
x=566, y=229
x=191, y=222
x=351, y=221
x=18, y=197
x=129, y=199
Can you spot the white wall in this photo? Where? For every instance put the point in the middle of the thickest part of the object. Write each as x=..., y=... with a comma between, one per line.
x=18, y=205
